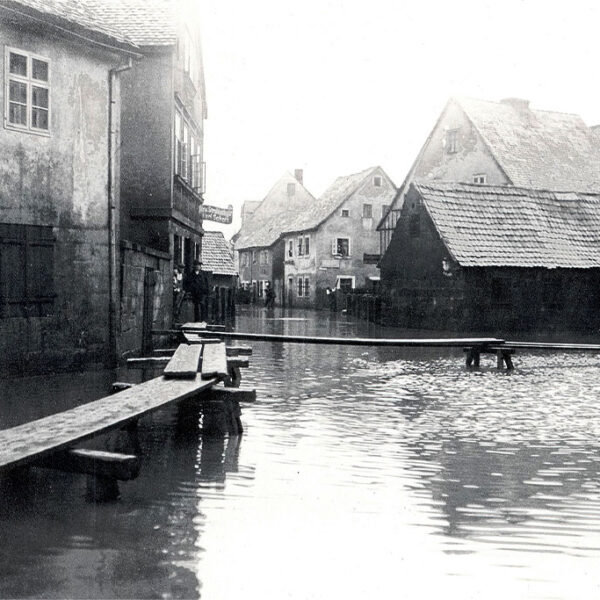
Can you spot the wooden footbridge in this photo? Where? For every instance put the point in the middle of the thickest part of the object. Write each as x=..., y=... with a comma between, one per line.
x=204, y=372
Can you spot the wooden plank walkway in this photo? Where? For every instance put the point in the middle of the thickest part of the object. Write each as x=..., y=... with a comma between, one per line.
x=184, y=363
x=299, y=339
x=214, y=361
x=25, y=443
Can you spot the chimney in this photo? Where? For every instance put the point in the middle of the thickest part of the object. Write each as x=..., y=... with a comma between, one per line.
x=299, y=175
x=517, y=103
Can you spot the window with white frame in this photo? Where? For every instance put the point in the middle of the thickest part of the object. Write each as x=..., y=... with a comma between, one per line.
x=188, y=152
x=341, y=247
x=480, y=178
x=452, y=141
x=345, y=284
x=27, y=91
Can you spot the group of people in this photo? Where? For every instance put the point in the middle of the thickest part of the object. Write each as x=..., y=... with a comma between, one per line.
x=196, y=285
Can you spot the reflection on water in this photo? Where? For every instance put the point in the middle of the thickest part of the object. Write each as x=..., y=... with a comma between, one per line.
x=363, y=472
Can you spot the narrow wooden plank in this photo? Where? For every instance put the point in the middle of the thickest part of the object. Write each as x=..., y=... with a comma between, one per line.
x=193, y=326
x=94, y=462
x=143, y=362
x=235, y=394
x=184, y=362
x=348, y=341
x=239, y=351
x=214, y=361
x=194, y=338
x=163, y=352
x=26, y=443
x=237, y=362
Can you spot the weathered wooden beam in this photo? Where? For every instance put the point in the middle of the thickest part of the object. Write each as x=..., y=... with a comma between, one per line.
x=114, y=465
x=239, y=351
x=147, y=361
x=163, y=351
x=236, y=394
x=184, y=363
x=491, y=349
x=214, y=361
x=193, y=338
x=345, y=341
x=238, y=362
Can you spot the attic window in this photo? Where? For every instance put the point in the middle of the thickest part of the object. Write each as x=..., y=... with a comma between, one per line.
x=291, y=189
x=480, y=178
x=377, y=181
x=452, y=141
x=345, y=213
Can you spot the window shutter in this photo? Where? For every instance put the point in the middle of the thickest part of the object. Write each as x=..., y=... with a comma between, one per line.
x=334, y=246
x=349, y=247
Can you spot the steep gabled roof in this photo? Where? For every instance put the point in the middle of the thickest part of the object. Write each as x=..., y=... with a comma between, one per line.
x=216, y=254
x=331, y=199
x=484, y=226
x=538, y=148
x=146, y=22
x=77, y=16
x=274, y=214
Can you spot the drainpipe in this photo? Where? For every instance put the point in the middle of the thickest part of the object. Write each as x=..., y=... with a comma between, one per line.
x=113, y=205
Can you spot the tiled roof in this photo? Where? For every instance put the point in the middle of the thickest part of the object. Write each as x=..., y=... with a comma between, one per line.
x=538, y=148
x=331, y=199
x=216, y=254
x=146, y=22
x=274, y=214
x=509, y=226
x=87, y=14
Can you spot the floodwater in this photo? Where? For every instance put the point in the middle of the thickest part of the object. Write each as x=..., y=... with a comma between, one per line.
x=362, y=473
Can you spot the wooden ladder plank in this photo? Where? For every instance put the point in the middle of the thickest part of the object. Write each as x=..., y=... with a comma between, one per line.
x=184, y=362
x=214, y=361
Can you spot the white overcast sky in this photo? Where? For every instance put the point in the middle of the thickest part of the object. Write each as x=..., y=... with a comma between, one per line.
x=334, y=86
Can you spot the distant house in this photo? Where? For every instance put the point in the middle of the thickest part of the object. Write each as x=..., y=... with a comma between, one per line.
x=59, y=192
x=333, y=243
x=503, y=143
x=162, y=158
x=494, y=258
x=259, y=242
x=217, y=258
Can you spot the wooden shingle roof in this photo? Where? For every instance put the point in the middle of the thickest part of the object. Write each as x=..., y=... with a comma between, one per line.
x=329, y=201
x=484, y=226
x=77, y=15
x=274, y=214
x=217, y=254
x=538, y=148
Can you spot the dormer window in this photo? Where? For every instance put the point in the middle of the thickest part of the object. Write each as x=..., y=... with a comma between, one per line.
x=452, y=141
x=479, y=178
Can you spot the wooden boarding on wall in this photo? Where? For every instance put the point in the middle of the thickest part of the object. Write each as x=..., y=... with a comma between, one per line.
x=214, y=361
x=184, y=362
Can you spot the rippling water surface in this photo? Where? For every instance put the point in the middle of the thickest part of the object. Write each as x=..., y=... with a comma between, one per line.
x=362, y=473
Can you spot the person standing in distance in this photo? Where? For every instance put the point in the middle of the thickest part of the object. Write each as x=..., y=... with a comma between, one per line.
x=198, y=287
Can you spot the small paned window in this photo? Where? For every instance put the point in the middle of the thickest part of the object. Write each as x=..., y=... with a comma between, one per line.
x=188, y=153
x=346, y=284
x=27, y=91
x=341, y=247
x=452, y=141
x=306, y=287
x=367, y=211
x=480, y=178
x=345, y=213
x=300, y=287
x=377, y=181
